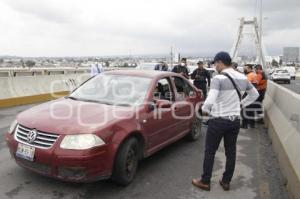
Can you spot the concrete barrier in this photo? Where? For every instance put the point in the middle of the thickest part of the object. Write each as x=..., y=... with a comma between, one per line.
x=282, y=118
x=298, y=75
x=21, y=90
x=12, y=72
x=31, y=85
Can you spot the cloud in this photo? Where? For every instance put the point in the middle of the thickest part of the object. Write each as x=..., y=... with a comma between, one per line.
x=98, y=27
x=279, y=14
x=58, y=13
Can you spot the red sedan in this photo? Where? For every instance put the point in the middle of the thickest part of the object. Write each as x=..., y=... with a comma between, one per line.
x=104, y=127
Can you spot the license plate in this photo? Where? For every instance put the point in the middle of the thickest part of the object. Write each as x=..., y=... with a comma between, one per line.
x=25, y=152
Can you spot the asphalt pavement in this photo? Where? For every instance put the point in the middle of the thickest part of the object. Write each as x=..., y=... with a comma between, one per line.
x=165, y=175
x=294, y=86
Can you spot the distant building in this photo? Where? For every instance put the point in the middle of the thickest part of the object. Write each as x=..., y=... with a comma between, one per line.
x=291, y=54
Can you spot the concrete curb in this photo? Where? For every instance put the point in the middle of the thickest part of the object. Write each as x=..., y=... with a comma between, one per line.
x=282, y=120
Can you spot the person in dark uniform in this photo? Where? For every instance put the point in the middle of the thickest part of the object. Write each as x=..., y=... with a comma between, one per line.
x=182, y=68
x=201, y=78
x=234, y=65
x=162, y=66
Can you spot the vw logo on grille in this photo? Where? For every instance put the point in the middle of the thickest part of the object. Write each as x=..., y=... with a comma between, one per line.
x=32, y=136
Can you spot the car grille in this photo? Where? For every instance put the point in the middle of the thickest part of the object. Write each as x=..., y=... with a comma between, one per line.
x=43, y=140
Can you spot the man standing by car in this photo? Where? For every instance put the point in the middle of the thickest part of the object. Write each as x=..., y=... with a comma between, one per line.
x=248, y=113
x=201, y=78
x=224, y=105
x=182, y=68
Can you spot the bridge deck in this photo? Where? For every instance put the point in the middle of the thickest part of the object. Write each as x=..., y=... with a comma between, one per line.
x=165, y=175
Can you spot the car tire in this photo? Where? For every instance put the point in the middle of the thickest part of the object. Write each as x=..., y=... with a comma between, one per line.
x=289, y=82
x=195, y=133
x=126, y=162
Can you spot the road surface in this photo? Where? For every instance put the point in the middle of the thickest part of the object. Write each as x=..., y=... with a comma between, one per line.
x=166, y=175
x=294, y=86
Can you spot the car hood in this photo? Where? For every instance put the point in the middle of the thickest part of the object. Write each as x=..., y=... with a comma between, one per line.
x=66, y=116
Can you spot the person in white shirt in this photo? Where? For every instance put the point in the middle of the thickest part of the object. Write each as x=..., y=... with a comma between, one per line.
x=96, y=69
x=223, y=105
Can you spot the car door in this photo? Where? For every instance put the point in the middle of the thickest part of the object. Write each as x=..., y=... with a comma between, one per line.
x=160, y=122
x=184, y=107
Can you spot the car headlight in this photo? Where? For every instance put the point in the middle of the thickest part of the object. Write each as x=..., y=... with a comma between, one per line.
x=81, y=141
x=13, y=126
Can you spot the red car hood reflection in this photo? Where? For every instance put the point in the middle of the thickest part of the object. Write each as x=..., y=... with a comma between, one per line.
x=66, y=116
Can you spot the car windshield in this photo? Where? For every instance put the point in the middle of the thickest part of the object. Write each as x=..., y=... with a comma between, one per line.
x=113, y=90
x=146, y=66
x=281, y=71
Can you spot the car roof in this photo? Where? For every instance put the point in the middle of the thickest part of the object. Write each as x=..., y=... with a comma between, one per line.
x=141, y=73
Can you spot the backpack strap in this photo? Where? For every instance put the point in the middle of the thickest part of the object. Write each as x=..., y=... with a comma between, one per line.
x=234, y=85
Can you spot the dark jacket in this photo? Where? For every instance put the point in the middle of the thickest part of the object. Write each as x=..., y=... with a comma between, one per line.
x=201, y=76
x=181, y=69
x=161, y=67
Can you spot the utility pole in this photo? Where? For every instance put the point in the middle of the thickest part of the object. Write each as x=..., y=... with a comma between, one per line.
x=260, y=60
x=171, y=56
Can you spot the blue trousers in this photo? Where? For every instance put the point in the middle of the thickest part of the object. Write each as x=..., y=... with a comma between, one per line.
x=217, y=130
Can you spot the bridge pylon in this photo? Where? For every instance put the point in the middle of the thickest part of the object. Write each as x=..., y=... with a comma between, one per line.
x=257, y=40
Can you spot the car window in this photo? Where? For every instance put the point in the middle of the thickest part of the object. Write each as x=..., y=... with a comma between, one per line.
x=282, y=71
x=182, y=87
x=114, y=89
x=163, y=90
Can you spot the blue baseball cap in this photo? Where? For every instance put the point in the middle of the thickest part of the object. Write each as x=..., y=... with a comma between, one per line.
x=223, y=57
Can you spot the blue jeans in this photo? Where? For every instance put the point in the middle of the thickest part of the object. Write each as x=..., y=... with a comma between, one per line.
x=217, y=130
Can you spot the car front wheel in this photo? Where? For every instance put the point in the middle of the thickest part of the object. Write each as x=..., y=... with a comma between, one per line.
x=196, y=129
x=126, y=162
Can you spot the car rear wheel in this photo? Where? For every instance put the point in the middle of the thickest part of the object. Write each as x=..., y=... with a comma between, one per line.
x=126, y=162
x=196, y=129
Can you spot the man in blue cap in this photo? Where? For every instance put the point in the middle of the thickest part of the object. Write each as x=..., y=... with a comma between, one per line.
x=223, y=105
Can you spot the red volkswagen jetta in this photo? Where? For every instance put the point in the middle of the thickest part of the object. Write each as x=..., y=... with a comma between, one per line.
x=104, y=127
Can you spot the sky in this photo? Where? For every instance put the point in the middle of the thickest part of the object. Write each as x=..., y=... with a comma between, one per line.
x=140, y=27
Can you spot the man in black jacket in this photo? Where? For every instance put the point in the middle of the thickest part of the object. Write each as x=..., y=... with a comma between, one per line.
x=182, y=68
x=161, y=66
x=201, y=78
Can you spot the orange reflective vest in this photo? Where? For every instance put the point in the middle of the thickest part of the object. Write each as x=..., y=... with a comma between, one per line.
x=262, y=81
x=252, y=77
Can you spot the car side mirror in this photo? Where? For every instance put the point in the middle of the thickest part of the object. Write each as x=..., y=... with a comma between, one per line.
x=150, y=107
x=163, y=103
